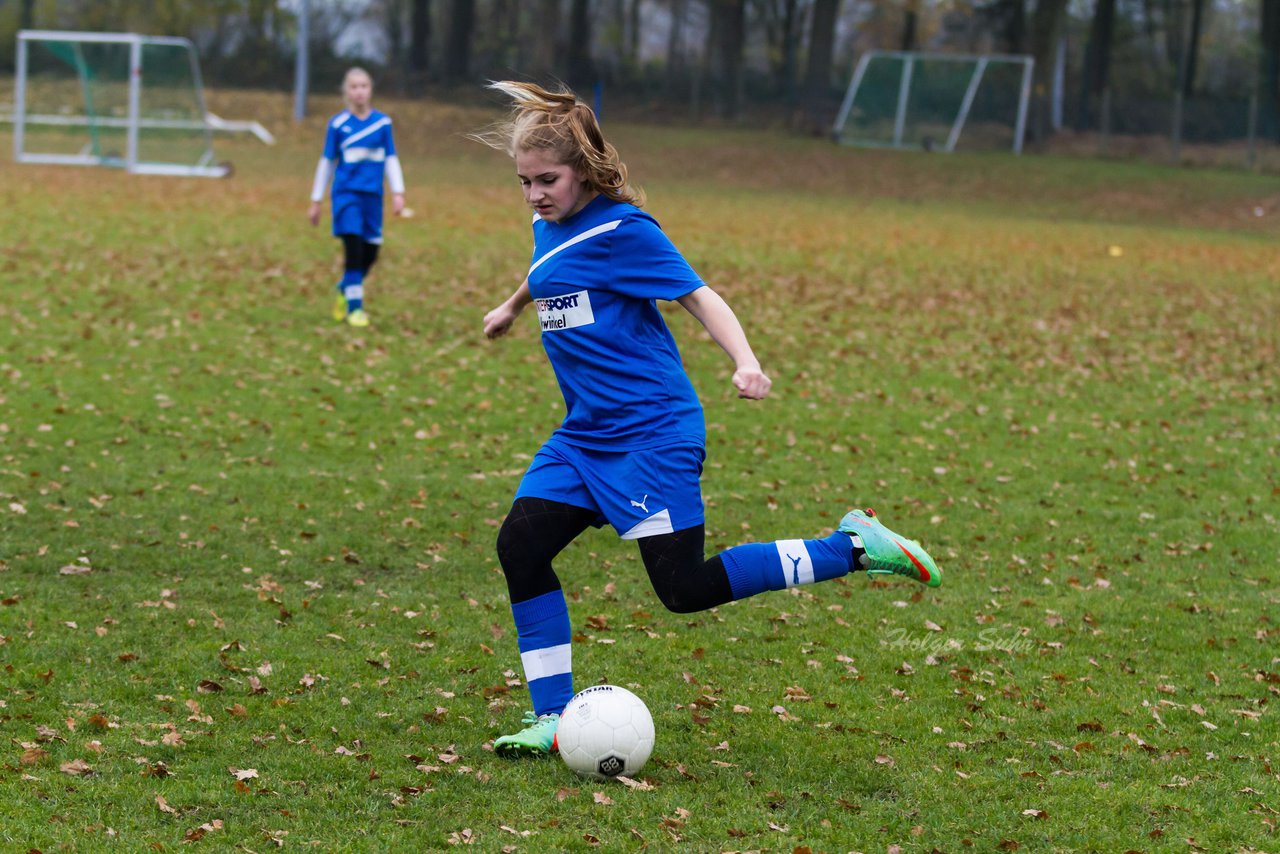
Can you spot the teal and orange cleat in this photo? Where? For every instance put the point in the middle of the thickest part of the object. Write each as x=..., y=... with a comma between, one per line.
x=887, y=553
x=538, y=738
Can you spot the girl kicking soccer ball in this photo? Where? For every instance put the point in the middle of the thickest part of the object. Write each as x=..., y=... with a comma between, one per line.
x=358, y=153
x=630, y=450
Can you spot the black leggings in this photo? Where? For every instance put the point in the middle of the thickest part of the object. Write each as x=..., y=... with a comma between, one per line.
x=536, y=530
x=358, y=255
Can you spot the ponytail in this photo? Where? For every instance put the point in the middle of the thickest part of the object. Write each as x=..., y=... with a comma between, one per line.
x=557, y=122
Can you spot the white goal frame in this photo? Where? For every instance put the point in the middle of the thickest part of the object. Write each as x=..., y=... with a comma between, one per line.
x=204, y=168
x=909, y=59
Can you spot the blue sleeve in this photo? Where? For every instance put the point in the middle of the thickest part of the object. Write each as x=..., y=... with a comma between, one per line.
x=391, y=142
x=331, y=142
x=645, y=263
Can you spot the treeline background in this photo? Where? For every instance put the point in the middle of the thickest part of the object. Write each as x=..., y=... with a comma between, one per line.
x=752, y=61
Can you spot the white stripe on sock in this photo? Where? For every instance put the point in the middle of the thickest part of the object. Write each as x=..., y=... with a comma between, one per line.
x=353, y=292
x=797, y=565
x=548, y=661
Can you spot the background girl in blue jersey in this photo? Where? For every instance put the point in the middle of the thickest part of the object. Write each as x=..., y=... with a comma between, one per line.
x=359, y=152
x=630, y=450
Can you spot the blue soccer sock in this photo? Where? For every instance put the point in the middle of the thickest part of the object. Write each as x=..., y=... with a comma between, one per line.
x=756, y=567
x=543, y=634
x=352, y=287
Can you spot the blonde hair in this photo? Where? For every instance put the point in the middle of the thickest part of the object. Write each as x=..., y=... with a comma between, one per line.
x=560, y=124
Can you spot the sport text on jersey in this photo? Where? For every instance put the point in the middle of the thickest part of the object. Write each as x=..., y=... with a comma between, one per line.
x=565, y=312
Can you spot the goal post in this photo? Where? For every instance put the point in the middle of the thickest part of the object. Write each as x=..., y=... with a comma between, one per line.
x=112, y=99
x=923, y=100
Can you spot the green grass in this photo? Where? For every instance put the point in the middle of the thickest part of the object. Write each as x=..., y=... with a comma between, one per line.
x=1087, y=442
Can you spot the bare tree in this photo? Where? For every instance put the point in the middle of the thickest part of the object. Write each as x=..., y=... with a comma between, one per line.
x=581, y=70
x=632, y=42
x=1198, y=11
x=726, y=38
x=1094, y=76
x=395, y=10
x=910, y=23
x=1269, y=35
x=419, y=42
x=675, y=44
x=817, y=77
x=781, y=22
x=1046, y=27
x=457, y=50
x=544, y=38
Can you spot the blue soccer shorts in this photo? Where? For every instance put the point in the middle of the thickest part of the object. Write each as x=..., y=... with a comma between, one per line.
x=359, y=214
x=639, y=493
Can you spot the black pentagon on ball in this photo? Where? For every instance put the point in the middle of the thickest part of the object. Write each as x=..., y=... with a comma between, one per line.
x=611, y=765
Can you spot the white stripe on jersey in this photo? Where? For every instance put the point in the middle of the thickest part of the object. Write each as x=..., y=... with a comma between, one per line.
x=548, y=661
x=361, y=155
x=586, y=235
x=340, y=118
x=380, y=123
x=797, y=566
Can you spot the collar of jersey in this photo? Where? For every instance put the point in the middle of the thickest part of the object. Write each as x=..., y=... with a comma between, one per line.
x=588, y=212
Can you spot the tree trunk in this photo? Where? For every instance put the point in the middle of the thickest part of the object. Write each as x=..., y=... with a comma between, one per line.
x=1016, y=32
x=395, y=43
x=260, y=18
x=1046, y=25
x=817, y=77
x=1269, y=72
x=632, y=44
x=1193, y=47
x=457, y=50
x=675, y=45
x=1097, y=60
x=787, y=65
x=581, y=71
x=724, y=52
x=27, y=15
x=544, y=36
x=909, y=24
x=419, y=43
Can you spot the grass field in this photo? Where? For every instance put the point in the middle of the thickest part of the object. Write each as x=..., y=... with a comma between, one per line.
x=248, y=596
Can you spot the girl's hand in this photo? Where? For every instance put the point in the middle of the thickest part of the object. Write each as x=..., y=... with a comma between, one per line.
x=498, y=322
x=751, y=383
x=313, y=213
x=397, y=204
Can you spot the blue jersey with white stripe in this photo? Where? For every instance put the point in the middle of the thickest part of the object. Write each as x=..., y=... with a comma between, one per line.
x=595, y=278
x=361, y=148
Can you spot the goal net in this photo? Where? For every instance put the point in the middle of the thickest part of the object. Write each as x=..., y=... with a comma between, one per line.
x=111, y=99
x=901, y=99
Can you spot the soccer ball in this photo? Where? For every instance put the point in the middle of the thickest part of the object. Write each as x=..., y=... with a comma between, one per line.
x=605, y=731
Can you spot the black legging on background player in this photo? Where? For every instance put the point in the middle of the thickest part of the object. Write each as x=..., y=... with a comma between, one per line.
x=358, y=255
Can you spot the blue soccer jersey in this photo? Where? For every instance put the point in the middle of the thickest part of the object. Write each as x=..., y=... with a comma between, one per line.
x=594, y=280
x=361, y=148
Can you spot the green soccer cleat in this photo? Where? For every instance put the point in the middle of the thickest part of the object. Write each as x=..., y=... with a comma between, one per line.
x=538, y=738
x=887, y=553
x=358, y=318
x=340, y=308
